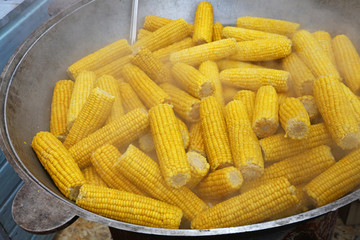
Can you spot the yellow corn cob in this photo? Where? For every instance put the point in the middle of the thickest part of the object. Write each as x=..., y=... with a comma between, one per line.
x=184, y=132
x=209, y=51
x=152, y=66
x=337, y=113
x=278, y=147
x=245, y=148
x=163, y=54
x=143, y=33
x=129, y=207
x=243, y=34
x=164, y=36
x=153, y=23
x=129, y=98
x=325, y=42
x=111, y=85
x=313, y=55
x=268, y=25
x=226, y=64
x=169, y=145
x=192, y=80
x=282, y=97
x=146, y=142
x=147, y=90
x=353, y=100
x=347, y=61
x=251, y=207
x=59, y=108
x=196, y=143
x=103, y=160
x=336, y=181
x=273, y=64
x=301, y=75
x=145, y=173
x=294, y=118
x=262, y=49
x=254, y=78
x=199, y=167
x=310, y=105
x=114, y=68
x=248, y=99
x=265, y=120
x=100, y=58
x=58, y=163
x=214, y=133
x=220, y=183
x=92, y=177
x=119, y=132
x=229, y=93
x=84, y=83
x=92, y=116
x=203, y=23
x=184, y=104
x=217, y=29
x=211, y=71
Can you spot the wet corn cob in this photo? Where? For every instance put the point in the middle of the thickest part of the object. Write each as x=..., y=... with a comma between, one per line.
x=199, y=167
x=253, y=206
x=146, y=142
x=92, y=177
x=59, y=108
x=114, y=68
x=347, y=61
x=129, y=207
x=119, y=132
x=245, y=148
x=129, y=98
x=196, y=143
x=214, y=133
x=100, y=58
x=353, y=100
x=211, y=71
x=243, y=34
x=147, y=90
x=336, y=181
x=310, y=105
x=209, y=51
x=143, y=33
x=163, y=54
x=203, y=23
x=58, y=163
x=325, y=42
x=229, y=93
x=282, y=97
x=336, y=112
x=226, y=64
x=248, y=99
x=169, y=145
x=145, y=173
x=192, y=80
x=217, y=29
x=153, y=23
x=184, y=132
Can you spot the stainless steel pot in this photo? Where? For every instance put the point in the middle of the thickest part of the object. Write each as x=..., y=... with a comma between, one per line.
x=28, y=80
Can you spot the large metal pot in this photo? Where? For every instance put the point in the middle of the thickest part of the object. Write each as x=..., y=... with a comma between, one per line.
x=28, y=79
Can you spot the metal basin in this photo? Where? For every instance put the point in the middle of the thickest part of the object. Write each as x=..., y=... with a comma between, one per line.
x=28, y=80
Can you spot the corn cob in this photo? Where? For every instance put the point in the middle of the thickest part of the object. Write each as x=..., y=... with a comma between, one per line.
x=184, y=104
x=184, y=132
x=268, y=25
x=146, y=142
x=143, y=33
x=353, y=100
x=301, y=75
x=313, y=55
x=294, y=118
x=229, y=93
x=245, y=148
x=84, y=83
x=196, y=143
x=103, y=160
x=153, y=23
x=211, y=71
x=163, y=54
x=265, y=120
x=169, y=145
x=192, y=80
x=114, y=68
x=199, y=167
x=278, y=147
x=111, y=85
x=151, y=65
x=129, y=207
x=220, y=183
x=58, y=163
x=243, y=34
x=217, y=29
x=273, y=64
x=325, y=42
x=100, y=58
x=310, y=105
x=253, y=206
x=336, y=181
x=347, y=61
x=164, y=36
x=59, y=107
x=226, y=64
x=145, y=173
x=254, y=78
x=92, y=177
x=214, y=133
x=92, y=116
x=209, y=51
x=147, y=90
x=248, y=99
x=203, y=23
x=336, y=112
x=262, y=49
x=129, y=98
x=119, y=132
x=282, y=97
